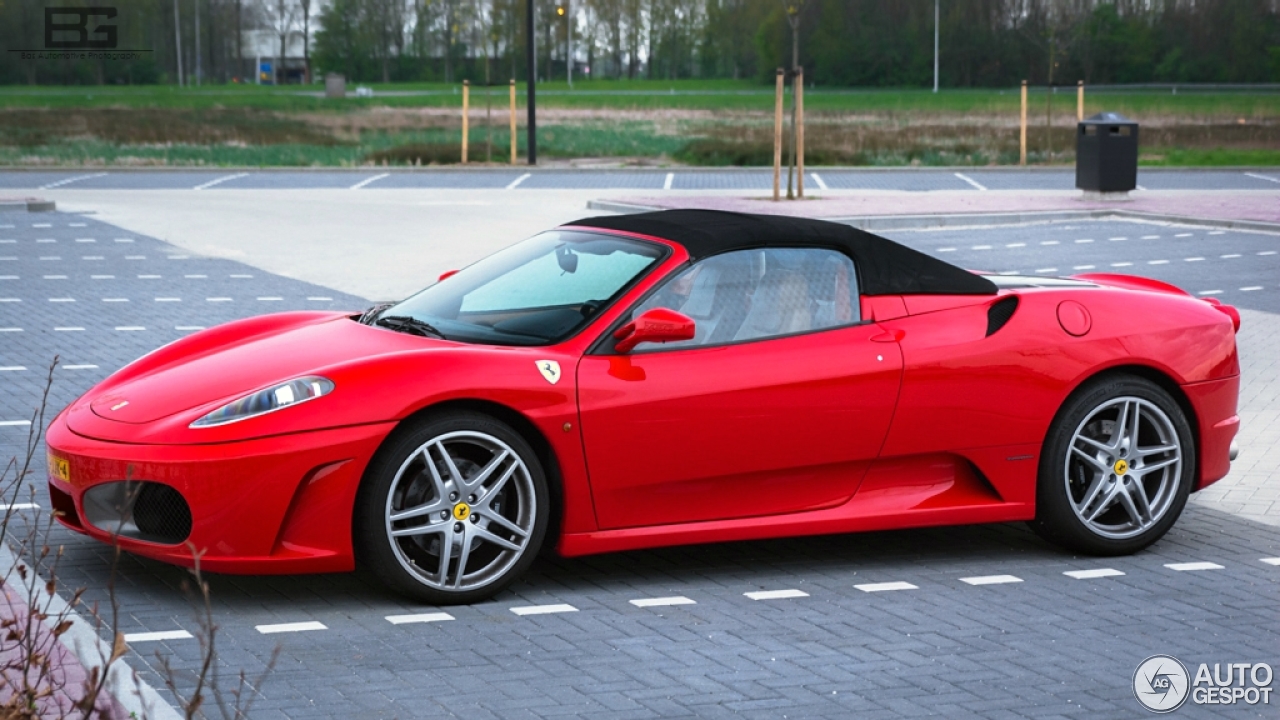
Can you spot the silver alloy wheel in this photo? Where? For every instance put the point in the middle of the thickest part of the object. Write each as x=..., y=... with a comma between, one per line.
x=460, y=511
x=1122, y=467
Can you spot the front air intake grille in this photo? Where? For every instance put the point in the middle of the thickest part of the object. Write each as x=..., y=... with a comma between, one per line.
x=999, y=313
x=161, y=514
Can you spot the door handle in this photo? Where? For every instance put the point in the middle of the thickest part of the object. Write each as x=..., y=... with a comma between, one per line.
x=889, y=336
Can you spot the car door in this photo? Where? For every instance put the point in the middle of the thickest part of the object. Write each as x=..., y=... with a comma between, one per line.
x=778, y=404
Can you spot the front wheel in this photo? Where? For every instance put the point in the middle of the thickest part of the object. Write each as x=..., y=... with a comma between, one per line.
x=452, y=509
x=1116, y=468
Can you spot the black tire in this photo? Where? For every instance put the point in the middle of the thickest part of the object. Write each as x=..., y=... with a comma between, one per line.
x=398, y=479
x=1064, y=486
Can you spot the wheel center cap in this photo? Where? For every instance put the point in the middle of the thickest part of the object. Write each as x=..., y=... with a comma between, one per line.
x=1121, y=467
x=462, y=511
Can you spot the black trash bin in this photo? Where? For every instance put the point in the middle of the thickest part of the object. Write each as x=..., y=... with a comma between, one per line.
x=1107, y=154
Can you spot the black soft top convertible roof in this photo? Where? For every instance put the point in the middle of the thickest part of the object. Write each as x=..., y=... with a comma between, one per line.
x=884, y=266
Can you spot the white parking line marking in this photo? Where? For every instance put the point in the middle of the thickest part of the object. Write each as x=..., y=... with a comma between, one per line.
x=168, y=299
x=14, y=423
x=91, y=257
x=179, y=257
x=1192, y=566
x=46, y=240
x=10, y=329
x=1150, y=237
x=12, y=368
x=1251, y=288
x=124, y=240
x=217, y=181
x=1047, y=270
x=148, y=277
x=188, y=327
x=1049, y=242
x=516, y=183
x=42, y=225
x=68, y=329
x=1210, y=292
x=129, y=328
x=62, y=299
x=156, y=636
x=885, y=587
x=241, y=276
x=9, y=257
x=321, y=299
x=195, y=277
x=1010, y=272
x=971, y=181
x=77, y=224
x=55, y=277
x=218, y=299
x=9, y=277
x=1083, y=267
x=50, y=257
x=68, y=181
x=666, y=183
x=776, y=594
x=1218, y=232
x=21, y=506
x=8, y=242
x=663, y=601
x=1181, y=235
x=1272, y=561
x=86, y=240
x=1016, y=245
x=1263, y=177
x=115, y=299
x=79, y=367
x=290, y=627
x=135, y=257
x=991, y=580
x=1229, y=256
x=368, y=180
x=1117, y=239
x=1121, y=264
x=1092, y=574
x=10, y=299
x=270, y=299
x=817, y=180
x=419, y=618
x=523, y=610
x=946, y=249
x=1192, y=259
x=981, y=247
x=1157, y=262
x=1082, y=241
x=102, y=277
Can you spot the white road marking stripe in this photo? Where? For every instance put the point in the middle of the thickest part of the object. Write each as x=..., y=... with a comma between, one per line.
x=168, y=299
x=46, y=240
x=666, y=183
x=12, y=368
x=1009, y=272
x=102, y=277
x=218, y=299
x=10, y=299
x=55, y=277
x=1192, y=566
x=222, y=179
x=85, y=240
x=1150, y=237
x=971, y=181
x=179, y=257
x=270, y=299
x=91, y=257
x=21, y=506
x=14, y=423
x=1267, y=252
x=50, y=257
x=1210, y=292
x=368, y=180
x=1229, y=256
x=1016, y=245
x=885, y=587
x=663, y=601
x=62, y=299
x=1092, y=574
x=1121, y=264
x=135, y=257
x=991, y=580
x=1083, y=267
x=9, y=257
x=1218, y=232
x=1047, y=270
x=68, y=181
x=1157, y=262
x=148, y=277
x=981, y=247
x=1263, y=177
x=516, y=183
x=776, y=594
x=321, y=299
x=946, y=249
x=1117, y=239
x=817, y=180
x=188, y=327
x=124, y=240
x=79, y=367
x=1192, y=259
x=195, y=277
x=129, y=328
x=1251, y=288
x=156, y=636
x=241, y=276
x=8, y=242
x=1271, y=561
x=1182, y=235
x=68, y=329
x=10, y=329
x=115, y=299
x=419, y=618
x=523, y=610
x=1049, y=242
x=290, y=627
x=1082, y=241
x=77, y=224
x=42, y=225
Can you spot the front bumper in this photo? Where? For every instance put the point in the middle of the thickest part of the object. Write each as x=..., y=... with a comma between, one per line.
x=270, y=505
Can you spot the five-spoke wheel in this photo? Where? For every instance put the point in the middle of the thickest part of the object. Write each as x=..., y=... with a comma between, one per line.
x=1116, y=469
x=452, y=509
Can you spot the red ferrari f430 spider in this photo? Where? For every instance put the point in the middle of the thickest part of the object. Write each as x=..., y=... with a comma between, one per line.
x=658, y=379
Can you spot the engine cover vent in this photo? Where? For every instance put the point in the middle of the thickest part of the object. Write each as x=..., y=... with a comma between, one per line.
x=1000, y=312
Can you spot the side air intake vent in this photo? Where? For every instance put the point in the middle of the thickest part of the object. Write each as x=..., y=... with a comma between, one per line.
x=1000, y=312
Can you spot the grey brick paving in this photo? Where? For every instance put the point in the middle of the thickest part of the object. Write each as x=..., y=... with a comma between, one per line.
x=1048, y=647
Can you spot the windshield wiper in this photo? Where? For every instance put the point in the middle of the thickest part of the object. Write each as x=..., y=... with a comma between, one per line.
x=405, y=323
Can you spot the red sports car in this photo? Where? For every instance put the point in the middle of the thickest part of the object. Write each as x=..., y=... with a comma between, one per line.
x=657, y=379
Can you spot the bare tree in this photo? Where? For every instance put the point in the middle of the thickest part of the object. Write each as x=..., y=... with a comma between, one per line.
x=281, y=16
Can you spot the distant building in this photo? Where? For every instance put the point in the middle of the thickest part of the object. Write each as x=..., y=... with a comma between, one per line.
x=262, y=46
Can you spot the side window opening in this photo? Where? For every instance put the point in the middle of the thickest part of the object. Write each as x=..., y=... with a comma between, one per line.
x=754, y=294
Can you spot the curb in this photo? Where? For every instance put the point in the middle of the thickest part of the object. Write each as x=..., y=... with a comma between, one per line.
x=525, y=167
x=138, y=698
x=28, y=204
x=921, y=222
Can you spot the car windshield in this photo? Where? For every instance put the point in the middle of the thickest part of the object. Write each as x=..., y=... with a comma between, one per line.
x=536, y=292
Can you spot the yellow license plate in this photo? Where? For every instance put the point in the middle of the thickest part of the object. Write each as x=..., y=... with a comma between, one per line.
x=59, y=468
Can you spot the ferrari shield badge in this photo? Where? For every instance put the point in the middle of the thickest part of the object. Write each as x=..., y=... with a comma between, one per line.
x=550, y=370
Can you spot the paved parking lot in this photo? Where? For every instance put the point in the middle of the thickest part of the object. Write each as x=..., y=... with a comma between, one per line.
x=515, y=177
x=962, y=622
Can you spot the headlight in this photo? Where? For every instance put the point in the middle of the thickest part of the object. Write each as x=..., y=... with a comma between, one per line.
x=266, y=401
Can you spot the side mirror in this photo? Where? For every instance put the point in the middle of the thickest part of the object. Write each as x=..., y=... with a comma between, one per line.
x=656, y=325
x=446, y=275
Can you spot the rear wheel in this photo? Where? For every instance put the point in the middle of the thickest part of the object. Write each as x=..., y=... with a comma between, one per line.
x=1116, y=468
x=451, y=510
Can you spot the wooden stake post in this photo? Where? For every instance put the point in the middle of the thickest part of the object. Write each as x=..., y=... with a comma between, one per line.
x=1022, y=132
x=1080, y=101
x=466, y=103
x=513, y=121
x=799, y=101
x=777, y=135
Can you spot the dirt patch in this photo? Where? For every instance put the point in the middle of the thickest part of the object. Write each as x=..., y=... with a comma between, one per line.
x=147, y=126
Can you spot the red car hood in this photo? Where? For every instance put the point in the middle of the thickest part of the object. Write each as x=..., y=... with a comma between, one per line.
x=231, y=361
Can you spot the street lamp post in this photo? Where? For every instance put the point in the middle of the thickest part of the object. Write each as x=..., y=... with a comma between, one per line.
x=531, y=127
x=936, y=16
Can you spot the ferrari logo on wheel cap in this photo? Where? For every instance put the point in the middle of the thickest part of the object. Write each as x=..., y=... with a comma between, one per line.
x=1121, y=467
x=550, y=370
x=461, y=511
